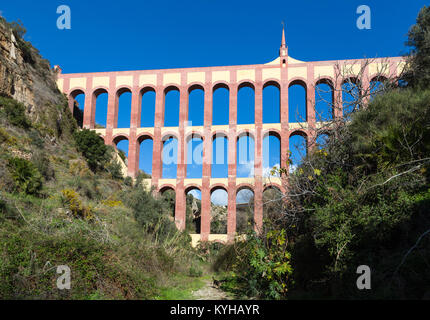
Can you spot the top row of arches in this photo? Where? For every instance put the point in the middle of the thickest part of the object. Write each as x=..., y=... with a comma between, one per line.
x=118, y=109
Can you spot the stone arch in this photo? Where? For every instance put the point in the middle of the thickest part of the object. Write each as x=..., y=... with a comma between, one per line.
x=351, y=92
x=244, y=207
x=193, y=196
x=219, y=161
x=324, y=99
x=272, y=201
x=123, y=100
x=171, y=105
x=271, y=102
x=196, y=105
x=122, y=143
x=376, y=85
x=167, y=193
x=219, y=210
x=146, y=148
x=245, y=103
x=194, y=152
x=77, y=105
x=271, y=152
x=298, y=142
x=147, y=101
x=220, y=104
x=99, y=101
x=169, y=156
x=322, y=139
x=297, y=100
x=245, y=153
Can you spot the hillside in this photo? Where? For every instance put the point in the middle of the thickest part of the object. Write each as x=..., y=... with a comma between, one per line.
x=64, y=201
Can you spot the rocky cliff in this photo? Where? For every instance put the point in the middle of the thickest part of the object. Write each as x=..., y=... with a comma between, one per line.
x=24, y=75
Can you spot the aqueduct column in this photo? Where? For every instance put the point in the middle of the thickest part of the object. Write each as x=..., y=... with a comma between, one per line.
x=258, y=151
x=207, y=157
x=310, y=106
x=89, y=106
x=180, y=215
x=158, y=123
x=133, y=144
x=112, y=112
x=232, y=137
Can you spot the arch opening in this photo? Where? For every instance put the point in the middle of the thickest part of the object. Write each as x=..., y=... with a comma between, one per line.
x=194, y=157
x=272, y=203
x=193, y=210
x=271, y=103
x=169, y=157
x=246, y=104
x=297, y=102
x=146, y=146
x=124, y=108
x=196, y=103
x=271, y=154
x=244, y=209
x=298, y=149
x=171, y=107
x=147, y=115
x=219, y=212
x=245, y=156
x=101, y=98
x=324, y=97
x=78, y=100
x=219, y=167
x=220, y=105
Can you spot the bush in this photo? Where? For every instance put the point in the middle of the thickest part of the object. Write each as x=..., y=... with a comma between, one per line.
x=14, y=112
x=43, y=165
x=115, y=170
x=262, y=264
x=92, y=147
x=74, y=204
x=25, y=175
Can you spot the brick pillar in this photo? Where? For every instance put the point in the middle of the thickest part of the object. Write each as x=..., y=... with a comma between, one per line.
x=258, y=153
x=365, y=84
x=337, y=100
x=284, y=118
x=133, y=144
x=71, y=102
x=180, y=214
x=310, y=106
x=157, y=163
x=207, y=156
x=232, y=168
x=111, y=112
x=89, y=106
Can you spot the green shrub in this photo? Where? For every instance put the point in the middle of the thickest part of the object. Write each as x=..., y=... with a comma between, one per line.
x=43, y=165
x=92, y=147
x=14, y=112
x=25, y=175
x=75, y=205
x=115, y=169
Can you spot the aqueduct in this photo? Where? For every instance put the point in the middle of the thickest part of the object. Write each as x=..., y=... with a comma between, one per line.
x=282, y=73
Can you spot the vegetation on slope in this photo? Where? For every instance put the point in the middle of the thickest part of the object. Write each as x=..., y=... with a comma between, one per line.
x=361, y=199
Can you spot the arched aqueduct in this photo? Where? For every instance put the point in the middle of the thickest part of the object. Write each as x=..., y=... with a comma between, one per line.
x=282, y=73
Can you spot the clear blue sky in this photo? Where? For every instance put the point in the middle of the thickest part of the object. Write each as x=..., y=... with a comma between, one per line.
x=133, y=35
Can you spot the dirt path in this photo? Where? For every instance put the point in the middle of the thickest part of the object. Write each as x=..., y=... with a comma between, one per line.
x=210, y=292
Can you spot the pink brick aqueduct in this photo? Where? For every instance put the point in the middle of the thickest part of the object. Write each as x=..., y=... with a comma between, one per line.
x=282, y=72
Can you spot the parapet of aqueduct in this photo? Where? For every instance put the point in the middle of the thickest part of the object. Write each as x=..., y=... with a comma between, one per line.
x=282, y=72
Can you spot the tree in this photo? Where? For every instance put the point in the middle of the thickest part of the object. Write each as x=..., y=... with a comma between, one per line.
x=92, y=147
x=418, y=73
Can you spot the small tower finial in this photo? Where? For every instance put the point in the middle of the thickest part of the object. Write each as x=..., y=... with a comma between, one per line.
x=283, y=44
x=283, y=50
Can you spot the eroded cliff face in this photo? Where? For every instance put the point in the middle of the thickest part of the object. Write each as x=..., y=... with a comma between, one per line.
x=24, y=74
